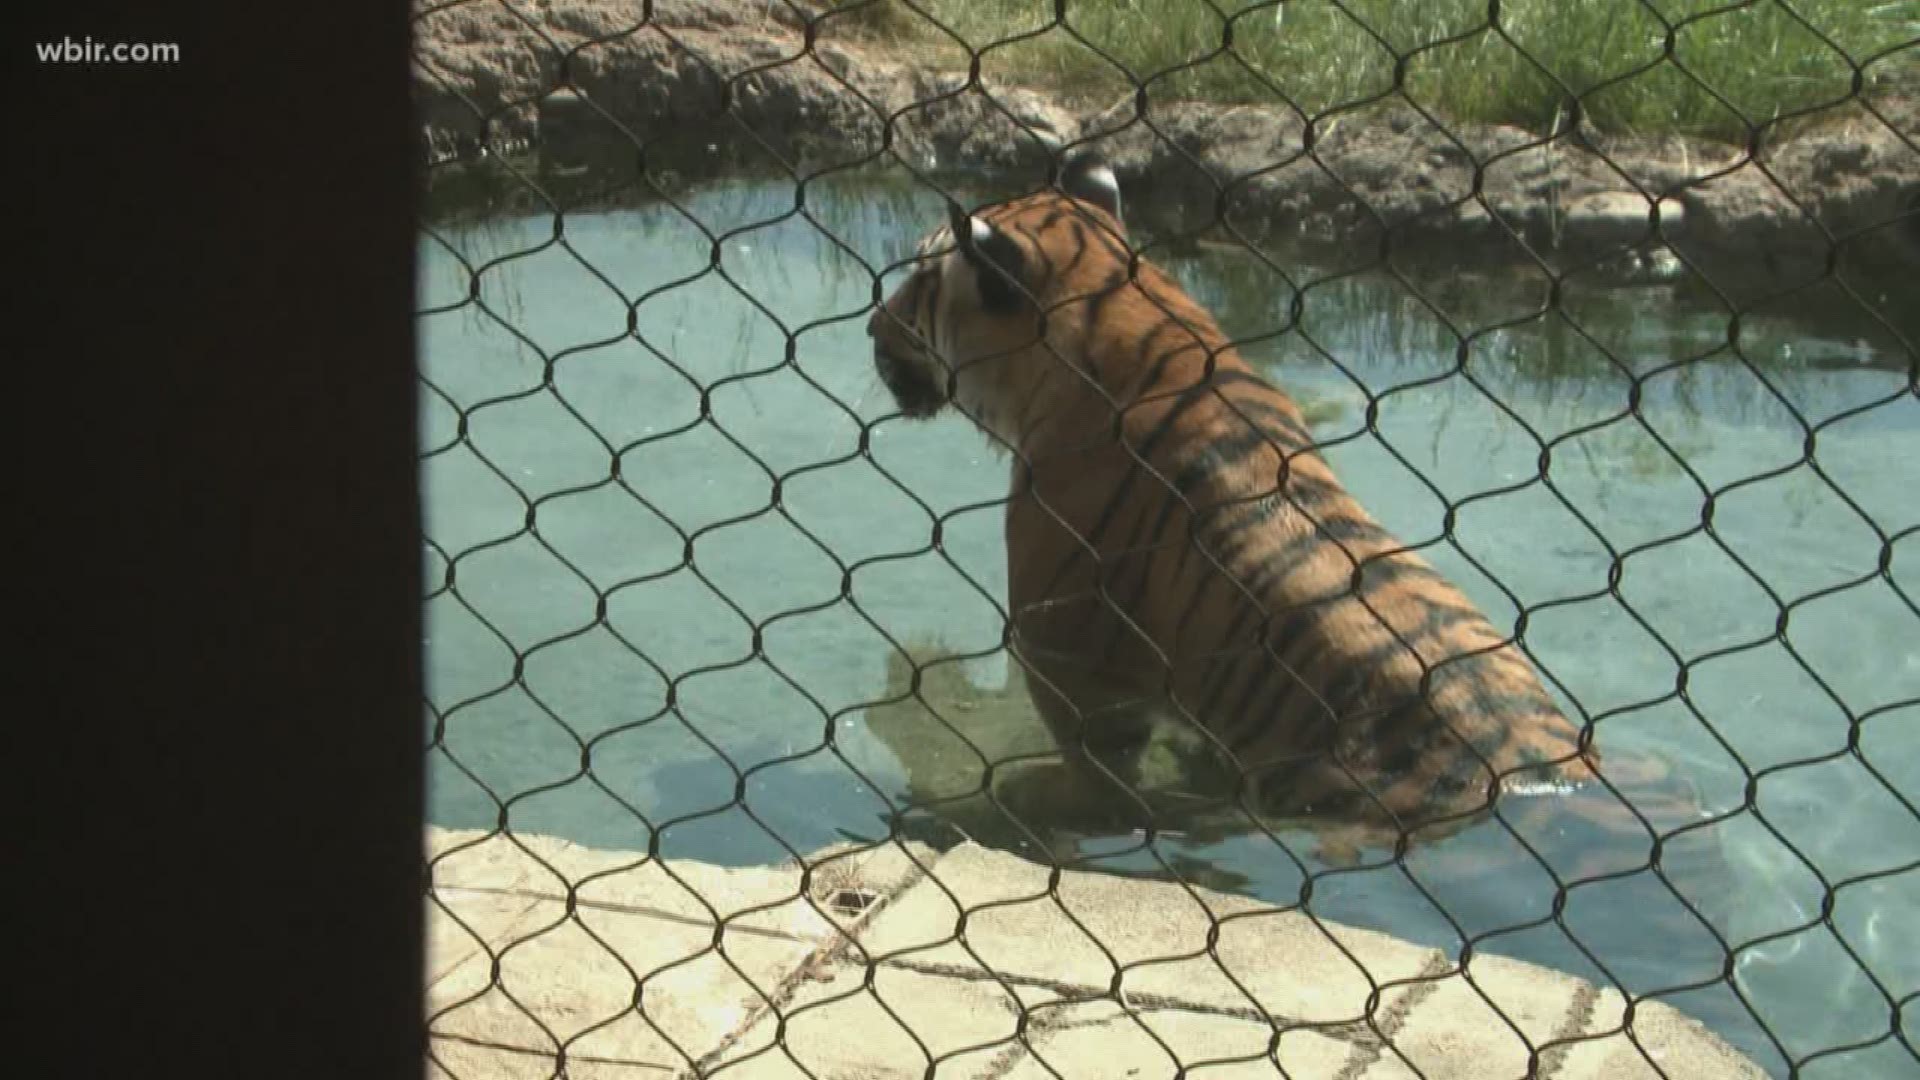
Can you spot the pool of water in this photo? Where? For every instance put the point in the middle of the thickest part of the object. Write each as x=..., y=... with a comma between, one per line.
x=675, y=546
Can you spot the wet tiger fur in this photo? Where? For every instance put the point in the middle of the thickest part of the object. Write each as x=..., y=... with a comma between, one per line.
x=1177, y=548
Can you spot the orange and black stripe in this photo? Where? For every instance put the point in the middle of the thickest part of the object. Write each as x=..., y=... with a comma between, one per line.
x=1174, y=536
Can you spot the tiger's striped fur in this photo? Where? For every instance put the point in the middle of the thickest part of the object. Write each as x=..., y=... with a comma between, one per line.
x=1178, y=549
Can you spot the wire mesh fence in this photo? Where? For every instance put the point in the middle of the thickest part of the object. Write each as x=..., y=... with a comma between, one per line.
x=1603, y=310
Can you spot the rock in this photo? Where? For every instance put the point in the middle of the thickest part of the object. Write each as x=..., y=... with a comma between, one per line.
x=1614, y=218
x=767, y=90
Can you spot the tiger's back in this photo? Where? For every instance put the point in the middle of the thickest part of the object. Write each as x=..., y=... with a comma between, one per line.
x=1178, y=550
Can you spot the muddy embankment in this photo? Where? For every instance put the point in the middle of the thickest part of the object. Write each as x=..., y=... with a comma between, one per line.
x=705, y=87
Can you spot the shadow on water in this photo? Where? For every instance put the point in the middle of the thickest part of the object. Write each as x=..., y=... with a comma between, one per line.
x=679, y=547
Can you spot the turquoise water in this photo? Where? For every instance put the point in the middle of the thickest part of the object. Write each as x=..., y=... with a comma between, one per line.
x=705, y=627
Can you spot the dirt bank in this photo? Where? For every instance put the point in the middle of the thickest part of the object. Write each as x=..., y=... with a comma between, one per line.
x=751, y=84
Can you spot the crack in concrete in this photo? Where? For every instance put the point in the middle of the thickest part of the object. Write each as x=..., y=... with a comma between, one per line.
x=1391, y=1021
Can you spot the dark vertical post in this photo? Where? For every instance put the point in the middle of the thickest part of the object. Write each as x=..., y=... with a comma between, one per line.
x=210, y=386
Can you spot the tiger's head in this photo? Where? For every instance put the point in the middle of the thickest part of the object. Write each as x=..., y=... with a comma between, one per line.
x=989, y=312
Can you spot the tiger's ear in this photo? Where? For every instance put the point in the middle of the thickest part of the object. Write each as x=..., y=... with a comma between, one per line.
x=1086, y=176
x=997, y=261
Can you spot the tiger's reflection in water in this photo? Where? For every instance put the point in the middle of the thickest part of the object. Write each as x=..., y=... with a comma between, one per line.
x=983, y=763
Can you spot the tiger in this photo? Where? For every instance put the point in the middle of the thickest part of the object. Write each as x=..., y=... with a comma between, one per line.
x=1178, y=549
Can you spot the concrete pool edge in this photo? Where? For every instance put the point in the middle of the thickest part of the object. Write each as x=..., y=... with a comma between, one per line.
x=876, y=961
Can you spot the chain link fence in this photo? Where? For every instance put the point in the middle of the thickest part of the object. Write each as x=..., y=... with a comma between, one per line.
x=1605, y=307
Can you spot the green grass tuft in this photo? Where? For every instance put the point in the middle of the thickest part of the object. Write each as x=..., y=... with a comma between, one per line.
x=1711, y=68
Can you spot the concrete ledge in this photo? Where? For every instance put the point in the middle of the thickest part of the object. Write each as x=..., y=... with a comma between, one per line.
x=873, y=963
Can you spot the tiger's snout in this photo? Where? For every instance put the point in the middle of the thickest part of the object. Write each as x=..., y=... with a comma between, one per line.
x=916, y=388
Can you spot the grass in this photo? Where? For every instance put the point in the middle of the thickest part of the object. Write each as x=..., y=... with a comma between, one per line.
x=1704, y=68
